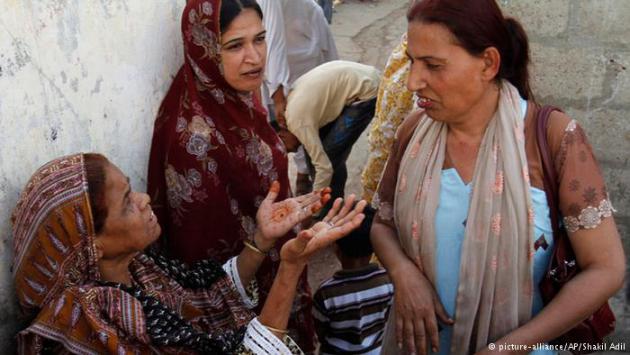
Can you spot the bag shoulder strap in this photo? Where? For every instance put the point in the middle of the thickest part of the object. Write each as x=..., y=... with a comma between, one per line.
x=550, y=179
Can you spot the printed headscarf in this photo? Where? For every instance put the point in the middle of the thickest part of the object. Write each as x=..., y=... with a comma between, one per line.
x=57, y=279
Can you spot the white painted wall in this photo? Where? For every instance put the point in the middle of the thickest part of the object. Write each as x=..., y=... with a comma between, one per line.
x=78, y=75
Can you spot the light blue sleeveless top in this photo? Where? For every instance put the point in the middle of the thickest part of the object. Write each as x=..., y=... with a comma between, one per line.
x=450, y=222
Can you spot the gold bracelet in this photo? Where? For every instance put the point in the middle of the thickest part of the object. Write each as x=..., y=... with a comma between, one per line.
x=276, y=330
x=254, y=248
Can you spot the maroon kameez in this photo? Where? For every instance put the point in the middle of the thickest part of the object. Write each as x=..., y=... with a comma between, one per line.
x=213, y=158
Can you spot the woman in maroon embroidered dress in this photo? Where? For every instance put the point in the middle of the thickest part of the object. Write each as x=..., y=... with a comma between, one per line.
x=214, y=155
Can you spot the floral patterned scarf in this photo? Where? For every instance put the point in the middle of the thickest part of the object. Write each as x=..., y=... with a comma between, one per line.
x=495, y=285
x=57, y=279
x=213, y=158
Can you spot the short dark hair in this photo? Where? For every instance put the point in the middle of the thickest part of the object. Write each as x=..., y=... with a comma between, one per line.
x=357, y=243
x=95, y=175
x=231, y=8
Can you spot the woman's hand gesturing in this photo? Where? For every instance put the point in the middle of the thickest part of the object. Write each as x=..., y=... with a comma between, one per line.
x=335, y=225
x=275, y=219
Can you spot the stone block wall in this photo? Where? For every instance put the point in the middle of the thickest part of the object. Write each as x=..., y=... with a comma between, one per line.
x=581, y=63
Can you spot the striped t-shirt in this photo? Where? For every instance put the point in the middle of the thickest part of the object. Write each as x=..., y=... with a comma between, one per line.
x=351, y=310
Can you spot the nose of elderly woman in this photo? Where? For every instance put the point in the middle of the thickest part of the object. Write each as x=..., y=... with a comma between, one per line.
x=142, y=200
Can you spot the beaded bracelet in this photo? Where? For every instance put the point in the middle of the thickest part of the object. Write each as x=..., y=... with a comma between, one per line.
x=251, y=246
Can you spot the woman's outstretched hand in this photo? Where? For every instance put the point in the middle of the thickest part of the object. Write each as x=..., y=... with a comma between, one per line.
x=275, y=219
x=337, y=223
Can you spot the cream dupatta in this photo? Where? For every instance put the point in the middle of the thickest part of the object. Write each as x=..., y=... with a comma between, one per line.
x=495, y=289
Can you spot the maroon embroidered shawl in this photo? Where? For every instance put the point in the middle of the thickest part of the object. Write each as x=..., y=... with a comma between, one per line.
x=213, y=158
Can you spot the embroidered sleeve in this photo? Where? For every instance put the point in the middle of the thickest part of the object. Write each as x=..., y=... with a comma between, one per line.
x=249, y=294
x=584, y=200
x=259, y=340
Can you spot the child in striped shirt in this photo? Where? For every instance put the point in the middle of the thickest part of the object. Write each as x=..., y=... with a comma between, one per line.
x=351, y=307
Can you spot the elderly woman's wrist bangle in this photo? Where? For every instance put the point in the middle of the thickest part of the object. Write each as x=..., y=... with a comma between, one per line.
x=251, y=246
x=276, y=330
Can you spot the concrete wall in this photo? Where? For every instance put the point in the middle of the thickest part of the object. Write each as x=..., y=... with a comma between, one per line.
x=78, y=75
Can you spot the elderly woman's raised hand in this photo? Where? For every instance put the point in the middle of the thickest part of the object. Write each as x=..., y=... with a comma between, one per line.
x=337, y=223
x=275, y=219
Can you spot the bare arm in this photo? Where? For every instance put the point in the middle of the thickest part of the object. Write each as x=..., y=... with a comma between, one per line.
x=416, y=303
x=309, y=137
x=274, y=220
x=294, y=256
x=280, y=105
x=277, y=308
x=600, y=255
x=248, y=262
x=387, y=248
x=597, y=246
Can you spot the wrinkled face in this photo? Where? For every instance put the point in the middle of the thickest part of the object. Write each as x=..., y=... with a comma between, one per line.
x=244, y=51
x=448, y=81
x=290, y=141
x=130, y=225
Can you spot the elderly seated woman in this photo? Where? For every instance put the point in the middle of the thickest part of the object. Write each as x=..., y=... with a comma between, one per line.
x=79, y=234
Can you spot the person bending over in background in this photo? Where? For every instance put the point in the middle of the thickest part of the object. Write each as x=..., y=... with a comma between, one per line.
x=327, y=110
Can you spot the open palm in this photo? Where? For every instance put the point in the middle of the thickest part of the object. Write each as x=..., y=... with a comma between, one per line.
x=335, y=225
x=275, y=219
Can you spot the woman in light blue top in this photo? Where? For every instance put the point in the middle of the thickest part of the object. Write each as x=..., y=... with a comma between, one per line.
x=464, y=224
